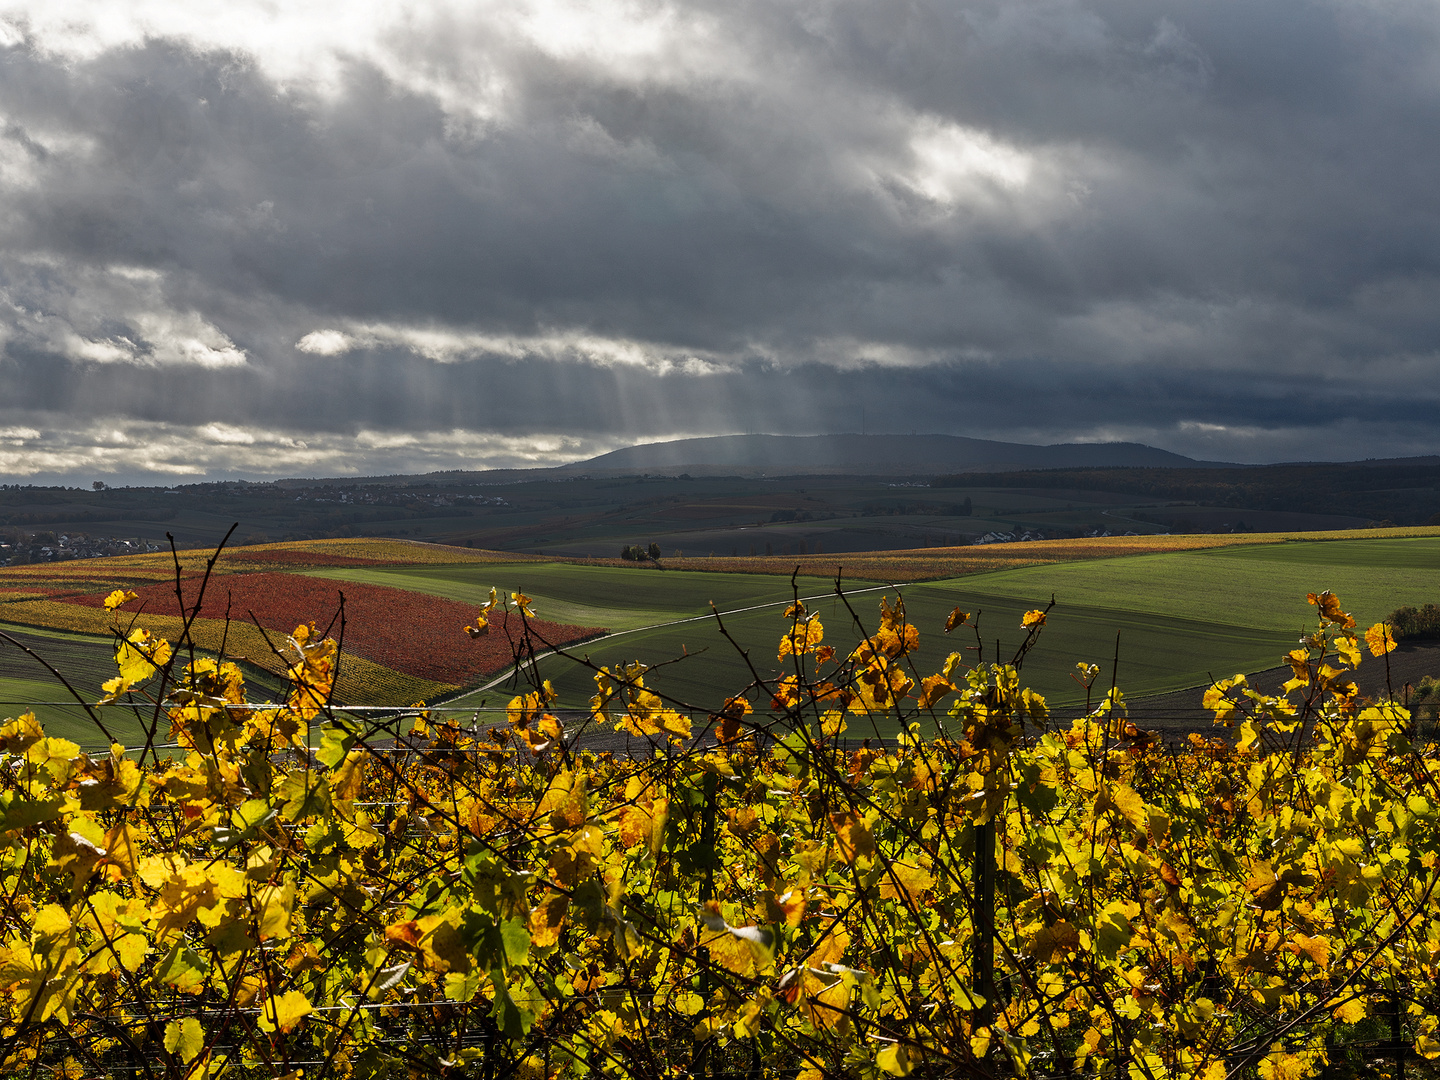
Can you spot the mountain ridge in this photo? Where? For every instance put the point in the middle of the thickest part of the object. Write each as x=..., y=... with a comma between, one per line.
x=887, y=454
x=815, y=455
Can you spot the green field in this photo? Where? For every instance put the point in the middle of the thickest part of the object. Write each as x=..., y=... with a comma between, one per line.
x=1182, y=618
x=1185, y=617
x=1262, y=586
x=86, y=662
x=654, y=615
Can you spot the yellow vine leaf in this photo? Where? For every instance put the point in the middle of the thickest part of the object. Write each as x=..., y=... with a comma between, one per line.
x=1125, y=799
x=132, y=950
x=729, y=727
x=906, y=880
x=436, y=938
x=1380, y=639
x=895, y=636
x=956, y=618
x=1330, y=610
x=802, y=637
x=120, y=849
x=488, y=609
x=1051, y=943
x=138, y=656
x=644, y=823
x=932, y=689
x=1299, y=661
x=856, y=841
x=312, y=677
x=1351, y=1012
x=1348, y=648
x=273, y=905
x=547, y=919
x=186, y=1038
x=833, y=723
x=1426, y=1044
x=1278, y=1065
x=19, y=734
x=1316, y=948
x=895, y=1060
x=285, y=1012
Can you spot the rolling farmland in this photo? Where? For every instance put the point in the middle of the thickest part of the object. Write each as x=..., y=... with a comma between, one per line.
x=86, y=661
x=1184, y=609
x=1181, y=615
x=1159, y=653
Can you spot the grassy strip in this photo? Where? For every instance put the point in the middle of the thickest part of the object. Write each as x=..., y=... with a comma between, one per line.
x=388, y=552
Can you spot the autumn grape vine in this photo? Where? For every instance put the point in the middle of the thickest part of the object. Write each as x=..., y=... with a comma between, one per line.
x=290, y=888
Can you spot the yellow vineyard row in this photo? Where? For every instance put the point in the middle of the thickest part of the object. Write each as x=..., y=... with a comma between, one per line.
x=101, y=574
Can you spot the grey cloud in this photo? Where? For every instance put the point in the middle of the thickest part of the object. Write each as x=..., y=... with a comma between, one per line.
x=1201, y=224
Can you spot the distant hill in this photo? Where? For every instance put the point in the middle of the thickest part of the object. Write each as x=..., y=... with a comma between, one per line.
x=889, y=455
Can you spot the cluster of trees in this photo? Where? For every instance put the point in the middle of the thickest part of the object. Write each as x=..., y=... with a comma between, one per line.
x=635, y=553
x=1411, y=623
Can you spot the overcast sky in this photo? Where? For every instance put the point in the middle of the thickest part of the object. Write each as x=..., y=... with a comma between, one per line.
x=355, y=237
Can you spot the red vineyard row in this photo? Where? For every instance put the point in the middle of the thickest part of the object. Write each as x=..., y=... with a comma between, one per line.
x=412, y=632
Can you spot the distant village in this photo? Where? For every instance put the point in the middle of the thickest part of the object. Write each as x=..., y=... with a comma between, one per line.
x=19, y=549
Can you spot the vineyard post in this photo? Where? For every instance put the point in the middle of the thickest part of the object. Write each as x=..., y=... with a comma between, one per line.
x=707, y=893
x=983, y=918
x=1397, y=1034
x=707, y=839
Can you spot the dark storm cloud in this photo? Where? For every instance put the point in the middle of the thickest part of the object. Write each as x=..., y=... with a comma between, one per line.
x=1210, y=226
